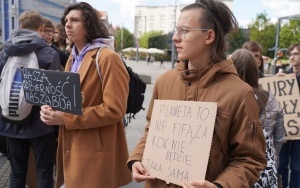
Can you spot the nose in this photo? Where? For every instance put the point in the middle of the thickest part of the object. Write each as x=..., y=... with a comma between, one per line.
x=175, y=37
x=67, y=24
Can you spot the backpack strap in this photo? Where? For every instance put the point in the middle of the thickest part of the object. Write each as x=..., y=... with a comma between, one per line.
x=97, y=63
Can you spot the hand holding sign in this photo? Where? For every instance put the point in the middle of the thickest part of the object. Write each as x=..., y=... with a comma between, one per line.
x=51, y=116
x=179, y=140
x=139, y=173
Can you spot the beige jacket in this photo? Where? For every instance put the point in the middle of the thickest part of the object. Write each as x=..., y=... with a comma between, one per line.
x=238, y=147
x=92, y=149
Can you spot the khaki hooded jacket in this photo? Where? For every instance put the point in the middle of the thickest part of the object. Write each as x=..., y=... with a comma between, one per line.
x=238, y=147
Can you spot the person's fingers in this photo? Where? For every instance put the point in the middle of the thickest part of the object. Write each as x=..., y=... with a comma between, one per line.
x=139, y=173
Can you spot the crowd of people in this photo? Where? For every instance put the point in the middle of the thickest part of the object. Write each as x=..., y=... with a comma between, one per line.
x=90, y=150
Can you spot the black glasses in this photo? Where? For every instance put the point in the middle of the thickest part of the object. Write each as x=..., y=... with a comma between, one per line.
x=48, y=31
x=293, y=54
x=181, y=31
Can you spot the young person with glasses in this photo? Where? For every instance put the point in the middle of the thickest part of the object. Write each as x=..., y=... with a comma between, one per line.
x=203, y=73
x=289, y=157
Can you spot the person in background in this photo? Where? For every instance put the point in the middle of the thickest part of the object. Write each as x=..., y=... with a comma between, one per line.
x=33, y=133
x=92, y=148
x=289, y=158
x=161, y=62
x=256, y=50
x=48, y=32
x=204, y=74
x=152, y=59
x=271, y=115
x=59, y=37
x=69, y=46
x=148, y=59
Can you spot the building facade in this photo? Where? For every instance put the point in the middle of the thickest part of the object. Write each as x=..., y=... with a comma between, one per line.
x=10, y=11
x=159, y=18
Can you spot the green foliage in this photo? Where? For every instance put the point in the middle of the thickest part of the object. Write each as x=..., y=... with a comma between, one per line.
x=128, y=39
x=289, y=33
x=144, y=40
x=160, y=42
x=237, y=39
x=263, y=32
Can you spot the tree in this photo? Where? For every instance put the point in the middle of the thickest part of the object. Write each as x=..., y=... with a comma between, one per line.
x=128, y=38
x=263, y=32
x=144, y=40
x=237, y=39
x=289, y=33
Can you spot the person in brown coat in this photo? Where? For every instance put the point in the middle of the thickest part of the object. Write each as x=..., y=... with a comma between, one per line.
x=238, y=146
x=92, y=148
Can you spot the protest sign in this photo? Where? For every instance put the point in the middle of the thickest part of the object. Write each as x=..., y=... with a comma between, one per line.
x=60, y=90
x=179, y=140
x=286, y=91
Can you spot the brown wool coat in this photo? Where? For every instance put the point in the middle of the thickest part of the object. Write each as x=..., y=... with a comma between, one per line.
x=92, y=149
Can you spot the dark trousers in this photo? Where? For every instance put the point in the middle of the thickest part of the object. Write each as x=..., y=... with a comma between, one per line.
x=289, y=164
x=44, y=150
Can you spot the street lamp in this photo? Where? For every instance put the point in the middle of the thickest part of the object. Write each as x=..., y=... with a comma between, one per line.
x=137, y=19
x=173, y=45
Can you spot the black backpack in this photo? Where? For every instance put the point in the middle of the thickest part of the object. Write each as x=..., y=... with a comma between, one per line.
x=137, y=88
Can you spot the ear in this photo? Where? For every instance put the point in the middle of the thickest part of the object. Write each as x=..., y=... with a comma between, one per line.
x=210, y=36
x=40, y=30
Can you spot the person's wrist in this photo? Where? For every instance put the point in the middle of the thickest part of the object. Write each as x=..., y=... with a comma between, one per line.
x=129, y=165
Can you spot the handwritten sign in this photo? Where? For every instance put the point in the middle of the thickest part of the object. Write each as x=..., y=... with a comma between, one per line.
x=179, y=140
x=60, y=90
x=286, y=91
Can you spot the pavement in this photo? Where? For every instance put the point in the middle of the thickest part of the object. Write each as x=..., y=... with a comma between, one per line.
x=134, y=130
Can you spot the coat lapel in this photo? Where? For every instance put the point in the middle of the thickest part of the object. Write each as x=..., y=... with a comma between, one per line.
x=87, y=61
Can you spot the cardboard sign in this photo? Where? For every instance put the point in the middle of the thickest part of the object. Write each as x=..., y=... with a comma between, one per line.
x=60, y=90
x=179, y=140
x=286, y=91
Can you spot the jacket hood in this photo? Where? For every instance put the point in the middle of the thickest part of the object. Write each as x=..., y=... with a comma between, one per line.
x=22, y=42
x=207, y=74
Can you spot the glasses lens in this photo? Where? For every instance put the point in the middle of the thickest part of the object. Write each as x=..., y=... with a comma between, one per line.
x=175, y=30
x=293, y=54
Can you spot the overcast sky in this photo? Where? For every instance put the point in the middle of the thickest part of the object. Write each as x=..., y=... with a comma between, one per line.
x=121, y=12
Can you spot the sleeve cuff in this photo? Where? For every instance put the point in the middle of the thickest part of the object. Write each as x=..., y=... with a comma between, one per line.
x=218, y=185
x=130, y=163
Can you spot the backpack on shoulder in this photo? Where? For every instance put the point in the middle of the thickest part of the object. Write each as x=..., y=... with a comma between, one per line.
x=14, y=107
x=137, y=88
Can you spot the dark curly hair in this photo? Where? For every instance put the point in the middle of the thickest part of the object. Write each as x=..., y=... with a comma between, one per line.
x=94, y=26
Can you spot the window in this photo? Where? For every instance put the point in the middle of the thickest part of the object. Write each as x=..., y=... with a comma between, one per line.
x=151, y=18
x=12, y=23
x=162, y=17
